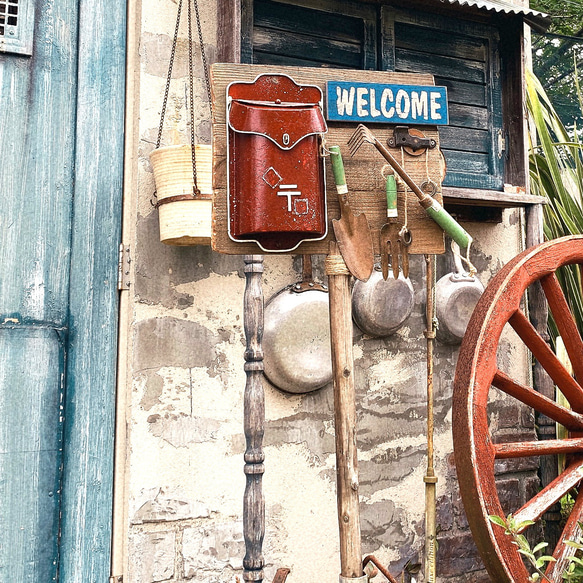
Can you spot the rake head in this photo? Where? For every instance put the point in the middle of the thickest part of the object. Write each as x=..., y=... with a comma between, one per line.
x=360, y=136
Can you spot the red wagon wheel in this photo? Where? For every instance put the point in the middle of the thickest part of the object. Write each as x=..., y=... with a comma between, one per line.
x=478, y=371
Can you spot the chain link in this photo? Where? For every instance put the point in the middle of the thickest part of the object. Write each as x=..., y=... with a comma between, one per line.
x=169, y=78
x=190, y=79
x=204, y=61
x=191, y=100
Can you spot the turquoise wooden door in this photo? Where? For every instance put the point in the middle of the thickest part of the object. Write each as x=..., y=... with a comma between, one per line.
x=62, y=68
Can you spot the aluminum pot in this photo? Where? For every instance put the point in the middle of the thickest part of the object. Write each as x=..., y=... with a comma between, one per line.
x=379, y=307
x=456, y=296
x=296, y=336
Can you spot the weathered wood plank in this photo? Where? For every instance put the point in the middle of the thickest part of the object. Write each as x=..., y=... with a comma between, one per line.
x=460, y=161
x=413, y=37
x=465, y=139
x=265, y=58
x=36, y=120
x=464, y=93
x=468, y=116
x=464, y=179
x=305, y=21
x=38, y=103
x=228, y=31
x=363, y=172
x=296, y=45
x=491, y=198
x=31, y=394
x=89, y=433
x=449, y=67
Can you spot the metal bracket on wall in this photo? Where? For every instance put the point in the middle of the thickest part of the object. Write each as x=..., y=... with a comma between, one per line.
x=123, y=267
x=405, y=138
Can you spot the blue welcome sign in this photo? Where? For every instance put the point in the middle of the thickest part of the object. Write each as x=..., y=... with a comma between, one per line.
x=382, y=103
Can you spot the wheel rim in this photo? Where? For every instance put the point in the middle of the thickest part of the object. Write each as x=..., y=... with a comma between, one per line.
x=477, y=370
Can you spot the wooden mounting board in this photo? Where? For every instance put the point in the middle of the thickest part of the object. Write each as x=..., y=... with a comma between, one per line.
x=363, y=172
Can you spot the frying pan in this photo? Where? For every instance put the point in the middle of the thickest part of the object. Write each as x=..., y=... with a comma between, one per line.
x=296, y=337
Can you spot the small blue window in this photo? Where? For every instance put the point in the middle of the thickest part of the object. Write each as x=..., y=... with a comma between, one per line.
x=16, y=26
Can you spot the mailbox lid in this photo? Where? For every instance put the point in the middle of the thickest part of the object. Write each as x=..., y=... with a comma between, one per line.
x=285, y=124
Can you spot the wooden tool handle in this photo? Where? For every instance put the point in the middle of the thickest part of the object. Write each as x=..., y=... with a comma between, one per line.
x=345, y=421
x=391, y=191
x=339, y=175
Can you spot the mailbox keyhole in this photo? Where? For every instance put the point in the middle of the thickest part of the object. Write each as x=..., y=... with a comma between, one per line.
x=285, y=139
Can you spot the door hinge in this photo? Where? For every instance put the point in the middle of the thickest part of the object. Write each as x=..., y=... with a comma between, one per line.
x=116, y=579
x=123, y=267
x=501, y=143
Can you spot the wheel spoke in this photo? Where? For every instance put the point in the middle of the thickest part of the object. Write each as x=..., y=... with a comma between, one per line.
x=565, y=323
x=551, y=494
x=535, y=448
x=563, y=551
x=570, y=419
x=547, y=358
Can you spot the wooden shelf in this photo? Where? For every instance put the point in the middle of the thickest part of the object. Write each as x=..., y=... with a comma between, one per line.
x=488, y=198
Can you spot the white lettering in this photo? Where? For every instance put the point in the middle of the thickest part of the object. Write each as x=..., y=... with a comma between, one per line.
x=387, y=96
x=344, y=101
x=419, y=105
x=433, y=97
x=361, y=102
x=373, y=106
x=402, y=103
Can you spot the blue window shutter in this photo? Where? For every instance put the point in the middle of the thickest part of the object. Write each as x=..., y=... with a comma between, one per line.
x=462, y=55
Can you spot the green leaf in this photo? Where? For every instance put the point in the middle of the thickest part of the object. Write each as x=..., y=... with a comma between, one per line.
x=539, y=547
x=497, y=520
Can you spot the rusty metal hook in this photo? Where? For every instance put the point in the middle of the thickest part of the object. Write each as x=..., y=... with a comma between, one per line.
x=372, y=559
x=281, y=575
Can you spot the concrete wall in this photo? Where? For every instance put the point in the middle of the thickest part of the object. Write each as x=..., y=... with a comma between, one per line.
x=182, y=456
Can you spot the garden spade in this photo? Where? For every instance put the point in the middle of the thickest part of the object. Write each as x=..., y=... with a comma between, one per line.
x=352, y=231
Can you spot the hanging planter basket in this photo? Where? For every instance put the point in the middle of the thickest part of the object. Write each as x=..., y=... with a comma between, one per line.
x=185, y=218
x=183, y=173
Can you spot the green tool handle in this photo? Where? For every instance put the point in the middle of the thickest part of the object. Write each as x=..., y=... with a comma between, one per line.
x=339, y=177
x=446, y=222
x=337, y=167
x=391, y=196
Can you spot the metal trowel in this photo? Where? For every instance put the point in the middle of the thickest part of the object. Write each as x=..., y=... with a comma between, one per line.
x=352, y=231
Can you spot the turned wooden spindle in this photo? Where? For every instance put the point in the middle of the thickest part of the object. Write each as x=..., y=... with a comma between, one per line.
x=254, y=421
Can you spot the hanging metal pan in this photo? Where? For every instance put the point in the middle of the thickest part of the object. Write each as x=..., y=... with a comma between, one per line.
x=379, y=307
x=296, y=337
x=456, y=296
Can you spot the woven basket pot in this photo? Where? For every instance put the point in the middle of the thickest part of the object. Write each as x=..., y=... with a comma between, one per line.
x=183, y=222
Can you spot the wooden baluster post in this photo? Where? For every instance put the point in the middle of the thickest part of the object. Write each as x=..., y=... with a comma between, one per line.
x=254, y=421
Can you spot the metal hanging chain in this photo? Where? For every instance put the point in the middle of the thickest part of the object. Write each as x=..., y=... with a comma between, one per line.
x=203, y=55
x=190, y=79
x=169, y=78
x=191, y=99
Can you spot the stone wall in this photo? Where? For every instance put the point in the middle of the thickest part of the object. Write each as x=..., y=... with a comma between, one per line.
x=185, y=443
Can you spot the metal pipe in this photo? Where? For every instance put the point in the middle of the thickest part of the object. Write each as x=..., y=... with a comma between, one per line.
x=430, y=478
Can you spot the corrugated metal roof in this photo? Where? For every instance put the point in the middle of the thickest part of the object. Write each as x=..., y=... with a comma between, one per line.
x=532, y=17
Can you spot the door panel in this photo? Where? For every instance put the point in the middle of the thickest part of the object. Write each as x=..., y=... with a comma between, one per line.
x=31, y=399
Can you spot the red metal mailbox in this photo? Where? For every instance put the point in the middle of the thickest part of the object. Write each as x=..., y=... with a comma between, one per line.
x=277, y=191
